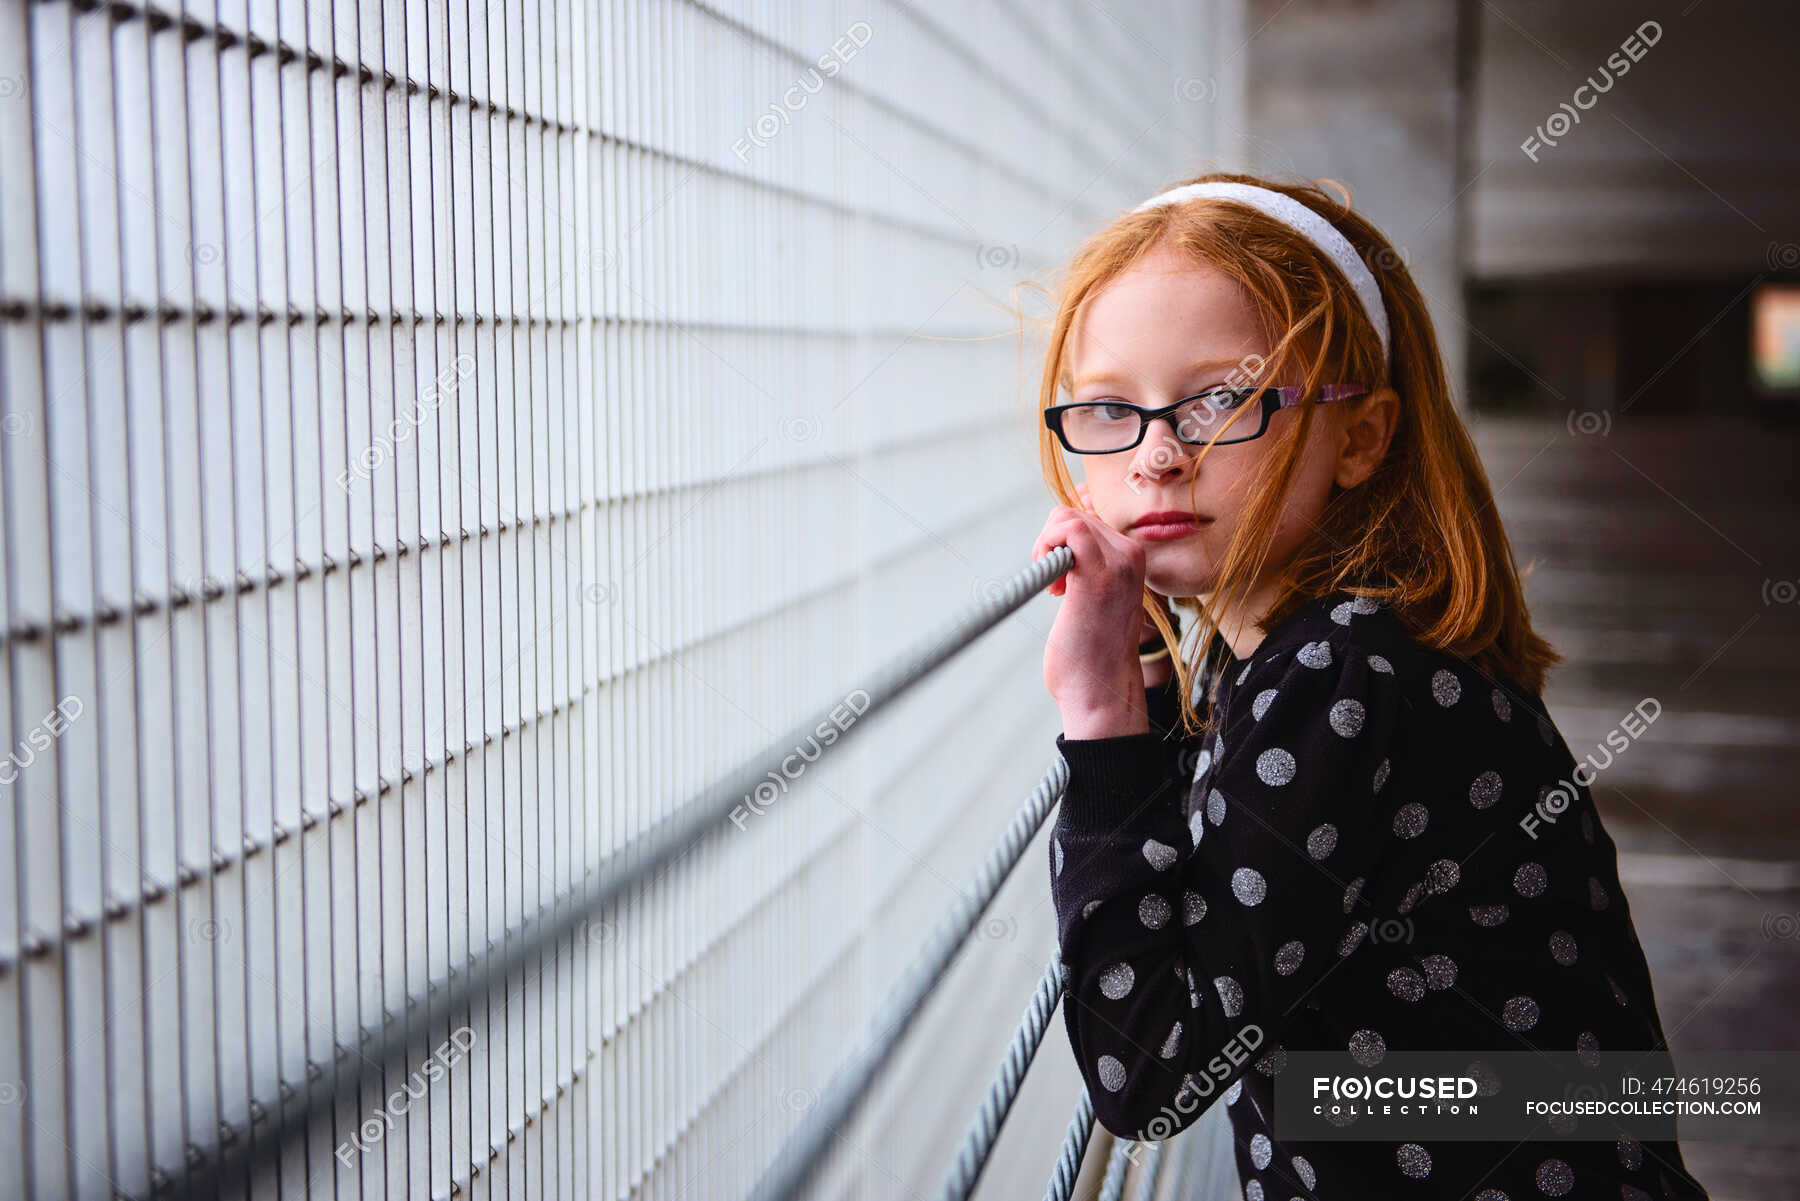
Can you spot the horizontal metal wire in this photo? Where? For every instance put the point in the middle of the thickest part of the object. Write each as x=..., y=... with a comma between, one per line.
x=984, y=1130
x=1073, y=1151
x=705, y=816
x=802, y=1155
x=1118, y=1163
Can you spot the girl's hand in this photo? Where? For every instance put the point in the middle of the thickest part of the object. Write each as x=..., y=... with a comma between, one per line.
x=1090, y=659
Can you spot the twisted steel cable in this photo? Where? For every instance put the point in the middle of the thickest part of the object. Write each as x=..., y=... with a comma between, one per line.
x=702, y=817
x=1112, y=1185
x=1074, y=1150
x=800, y=1157
x=984, y=1130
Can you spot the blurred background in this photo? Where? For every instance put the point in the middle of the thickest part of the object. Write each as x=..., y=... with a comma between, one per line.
x=440, y=440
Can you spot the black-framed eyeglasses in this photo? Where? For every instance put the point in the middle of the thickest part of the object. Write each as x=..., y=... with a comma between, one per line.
x=1106, y=427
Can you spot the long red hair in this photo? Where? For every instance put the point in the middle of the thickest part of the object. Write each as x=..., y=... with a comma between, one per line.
x=1421, y=534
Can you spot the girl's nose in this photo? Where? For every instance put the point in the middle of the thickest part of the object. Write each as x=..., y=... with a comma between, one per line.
x=1161, y=454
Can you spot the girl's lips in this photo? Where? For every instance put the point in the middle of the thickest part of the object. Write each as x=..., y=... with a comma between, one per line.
x=1163, y=531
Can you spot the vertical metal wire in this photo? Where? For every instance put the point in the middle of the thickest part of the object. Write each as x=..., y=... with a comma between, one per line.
x=344, y=737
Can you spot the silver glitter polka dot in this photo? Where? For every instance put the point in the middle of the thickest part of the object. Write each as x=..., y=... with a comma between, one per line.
x=1160, y=855
x=1193, y=908
x=1090, y=907
x=1414, y=1160
x=1485, y=790
x=1631, y=1155
x=1215, y=807
x=1056, y=857
x=1314, y=654
x=1406, y=984
x=1617, y=992
x=1445, y=687
x=1253, y=1191
x=1597, y=894
x=1340, y=1118
x=1154, y=911
x=1411, y=819
x=1341, y=613
x=1491, y=1194
x=1235, y=1091
x=1261, y=1150
x=1196, y=826
x=1322, y=841
x=1519, y=1013
x=1364, y=604
x=1413, y=894
x=1112, y=1073
x=1346, y=718
x=1563, y=1123
x=1502, y=706
x=1563, y=948
x=1231, y=995
x=1304, y=1170
x=1288, y=957
x=1171, y=1044
x=1587, y=1046
x=1203, y=763
x=1381, y=775
x=1555, y=1178
x=1442, y=875
x=1248, y=886
x=1530, y=880
x=1261, y=704
x=1440, y=971
x=1352, y=937
x=1353, y=894
x=1488, y=915
x=1116, y=980
x=1275, y=767
x=1244, y=672
x=1272, y=1061
x=1631, y=1192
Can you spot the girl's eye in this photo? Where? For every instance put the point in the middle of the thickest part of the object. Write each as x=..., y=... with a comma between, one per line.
x=1111, y=412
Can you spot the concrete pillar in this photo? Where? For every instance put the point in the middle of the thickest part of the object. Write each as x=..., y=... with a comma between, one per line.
x=1372, y=96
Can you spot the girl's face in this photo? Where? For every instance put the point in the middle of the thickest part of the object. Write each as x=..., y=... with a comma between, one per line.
x=1167, y=329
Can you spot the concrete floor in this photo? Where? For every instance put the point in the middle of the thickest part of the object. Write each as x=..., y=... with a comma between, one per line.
x=1666, y=567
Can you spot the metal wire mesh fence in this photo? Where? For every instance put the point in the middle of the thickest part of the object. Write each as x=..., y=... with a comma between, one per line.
x=437, y=442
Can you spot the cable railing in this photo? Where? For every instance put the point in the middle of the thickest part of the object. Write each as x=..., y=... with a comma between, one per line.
x=691, y=824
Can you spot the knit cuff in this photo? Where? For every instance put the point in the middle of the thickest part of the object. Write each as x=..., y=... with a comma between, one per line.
x=1117, y=783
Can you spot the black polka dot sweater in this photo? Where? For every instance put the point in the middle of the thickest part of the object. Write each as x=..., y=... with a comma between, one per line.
x=1342, y=865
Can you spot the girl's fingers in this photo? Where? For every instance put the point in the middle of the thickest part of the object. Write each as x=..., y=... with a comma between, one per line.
x=1071, y=528
x=1056, y=530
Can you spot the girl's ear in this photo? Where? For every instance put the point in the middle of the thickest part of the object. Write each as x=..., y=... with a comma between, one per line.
x=1368, y=428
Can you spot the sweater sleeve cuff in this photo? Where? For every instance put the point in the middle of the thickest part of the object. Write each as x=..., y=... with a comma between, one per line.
x=1116, y=783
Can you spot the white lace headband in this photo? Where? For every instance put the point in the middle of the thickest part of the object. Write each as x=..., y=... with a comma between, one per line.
x=1323, y=234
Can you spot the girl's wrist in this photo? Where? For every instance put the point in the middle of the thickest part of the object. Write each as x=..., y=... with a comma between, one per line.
x=1114, y=721
x=1110, y=708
